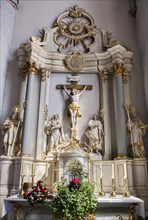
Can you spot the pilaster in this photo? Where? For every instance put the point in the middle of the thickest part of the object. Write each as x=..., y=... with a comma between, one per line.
x=43, y=112
x=28, y=145
x=106, y=113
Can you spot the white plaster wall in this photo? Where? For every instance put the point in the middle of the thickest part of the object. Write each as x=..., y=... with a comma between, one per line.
x=111, y=15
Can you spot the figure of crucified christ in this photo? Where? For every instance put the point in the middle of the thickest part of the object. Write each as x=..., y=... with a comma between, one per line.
x=74, y=106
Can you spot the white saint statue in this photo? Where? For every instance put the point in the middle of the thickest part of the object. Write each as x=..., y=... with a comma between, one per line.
x=95, y=134
x=137, y=130
x=12, y=133
x=54, y=131
x=74, y=107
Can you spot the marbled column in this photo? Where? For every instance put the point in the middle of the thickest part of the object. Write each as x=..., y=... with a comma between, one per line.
x=120, y=117
x=107, y=133
x=28, y=132
x=43, y=113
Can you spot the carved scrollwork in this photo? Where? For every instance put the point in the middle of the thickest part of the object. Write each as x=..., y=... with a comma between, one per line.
x=75, y=28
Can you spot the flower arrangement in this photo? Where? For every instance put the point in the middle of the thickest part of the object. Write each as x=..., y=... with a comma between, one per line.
x=38, y=194
x=74, y=201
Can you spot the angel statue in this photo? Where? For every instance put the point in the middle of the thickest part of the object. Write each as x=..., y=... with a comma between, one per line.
x=95, y=134
x=55, y=134
x=12, y=133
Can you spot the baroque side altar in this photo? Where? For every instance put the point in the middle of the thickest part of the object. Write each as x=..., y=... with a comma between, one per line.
x=75, y=108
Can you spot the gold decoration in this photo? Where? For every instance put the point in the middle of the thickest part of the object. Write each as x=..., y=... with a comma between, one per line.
x=130, y=108
x=92, y=216
x=118, y=69
x=120, y=216
x=46, y=112
x=74, y=62
x=22, y=45
x=132, y=209
x=31, y=68
x=75, y=28
x=104, y=75
x=102, y=114
x=45, y=74
x=125, y=76
x=16, y=109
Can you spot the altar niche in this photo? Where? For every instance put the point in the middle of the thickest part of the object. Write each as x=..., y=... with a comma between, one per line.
x=74, y=106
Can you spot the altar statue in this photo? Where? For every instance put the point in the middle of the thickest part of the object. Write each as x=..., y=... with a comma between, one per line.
x=137, y=129
x=74, y=107
x=54, y=131
x=95, y=134
x=12, y=133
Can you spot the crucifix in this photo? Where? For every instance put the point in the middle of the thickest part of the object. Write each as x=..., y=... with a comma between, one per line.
x=74, y=96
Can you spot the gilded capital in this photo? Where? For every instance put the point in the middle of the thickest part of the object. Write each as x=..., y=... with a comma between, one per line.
x=119, y=69
x=32, y=69
x=45, y=73
x=104, y=75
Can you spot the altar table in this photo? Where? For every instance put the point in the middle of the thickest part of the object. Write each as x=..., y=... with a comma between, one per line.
x=109, y=208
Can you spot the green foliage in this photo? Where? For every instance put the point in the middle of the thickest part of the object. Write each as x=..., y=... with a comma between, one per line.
x=73, y=204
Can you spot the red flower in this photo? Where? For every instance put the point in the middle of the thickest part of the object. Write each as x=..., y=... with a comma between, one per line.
x=25, y=196
x=36, y=190
x=43, y=190
x=74, y=181
x=40, y=181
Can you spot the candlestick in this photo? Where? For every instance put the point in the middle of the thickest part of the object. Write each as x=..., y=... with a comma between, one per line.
x=113, y=193
x=126, y=192
x=101, y=193
x=125, y=170
x=113, y=173
x=21, y=191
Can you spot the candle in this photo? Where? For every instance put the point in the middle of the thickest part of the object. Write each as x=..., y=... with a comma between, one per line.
x=113, y=173
x=125, y=171
x=101, y=171
x=46, y=171
x=22, y=173
x=33, y=169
